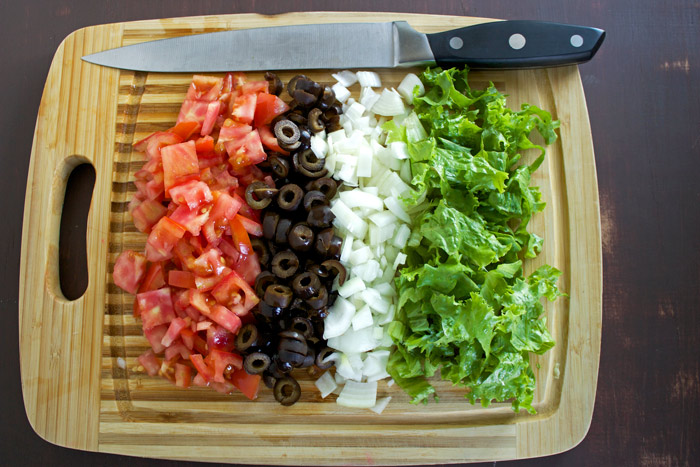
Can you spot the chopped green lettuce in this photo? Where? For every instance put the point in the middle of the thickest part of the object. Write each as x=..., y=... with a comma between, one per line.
x=465, y=307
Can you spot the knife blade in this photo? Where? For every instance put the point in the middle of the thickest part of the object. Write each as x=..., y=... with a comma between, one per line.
x=499, y=44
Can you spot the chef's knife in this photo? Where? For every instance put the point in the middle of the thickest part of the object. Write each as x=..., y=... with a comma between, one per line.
x=500, y=44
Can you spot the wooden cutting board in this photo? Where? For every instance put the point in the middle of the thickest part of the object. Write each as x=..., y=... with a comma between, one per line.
x=76, y=393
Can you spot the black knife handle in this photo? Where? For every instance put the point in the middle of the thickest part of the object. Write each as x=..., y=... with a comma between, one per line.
x=516, y=44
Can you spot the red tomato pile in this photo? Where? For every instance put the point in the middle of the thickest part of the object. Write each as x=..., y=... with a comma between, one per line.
x=193, y=282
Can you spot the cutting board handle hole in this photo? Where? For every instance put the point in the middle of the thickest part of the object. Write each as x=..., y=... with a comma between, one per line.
x=72, y=247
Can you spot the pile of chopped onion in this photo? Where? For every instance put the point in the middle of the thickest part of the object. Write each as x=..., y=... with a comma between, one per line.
x=375, y=227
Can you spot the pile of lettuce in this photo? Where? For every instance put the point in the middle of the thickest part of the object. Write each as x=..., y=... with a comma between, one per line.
x=465, y=307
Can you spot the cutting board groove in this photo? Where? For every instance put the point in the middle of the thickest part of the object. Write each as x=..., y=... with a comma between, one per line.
x=77, y=395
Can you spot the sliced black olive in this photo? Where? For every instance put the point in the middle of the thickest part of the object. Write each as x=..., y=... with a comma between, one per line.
x=310, y=162
x=301, y=237
x=304, y=137
x=319, y=300
x=321, y=217
x=247, y=337
x=276, y=371
x=336, y=269
x=332, y=297
x=306, y=284
x=283, y=230
x=256, y=363
x=292, y=84
x=290, y=197
x=260, y=248
x=297, y=117
x=333, y=124
x=256, y=202
x=303, y=326
x=269, y=311
x=279, y=166
x=285, y=264
x=269, y=224
x=290, y=147
x=334, y=250
x=317, y=269
x=321, y=356
x=275, y=85
x=327, y=98
x=304, y=98
x=315, y=122
x=310, y=359
x=308, y=85
x=321, y=313
x=323, y=241
x=278, y=295
x=292, y=348
x=269, y=380
x=287, y=391
x=287, y=132
x=265, y=191
x=314, y=198
x=333, y=111
x=325, y=185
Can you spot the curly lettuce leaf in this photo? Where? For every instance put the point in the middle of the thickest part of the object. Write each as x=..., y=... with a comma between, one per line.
x=465, y=307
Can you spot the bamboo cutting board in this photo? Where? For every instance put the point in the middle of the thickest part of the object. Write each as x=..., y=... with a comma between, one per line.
x=78, y=395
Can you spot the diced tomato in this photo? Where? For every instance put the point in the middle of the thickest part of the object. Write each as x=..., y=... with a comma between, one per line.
x=233, y=131
x=225, y=208
x=201, y=367
x=233, y=80
x=267, y=107
x=221, y=361
x=184, y=251
x=252, y=227
x=177, y=350
x=247, y=384
x=181, y=279
x=228, y=293
x=243, y=108
x=163, y=237
x=208, y=263
x=248, y=267
x=156, y=307
x=155, y=336
x=146, y=214
x=204, y=325
x=149, y=362
x=193, y=313
x=154, y=279
x=223, y=180
x=129, y=270
x=205, y=88
x=199, y=380
x=250, y=151
x=199, y=301
x=239, y=235
x=255, y=87
x=210, y=116
x=183, y=375
x=225, y=317
x=220, y=338
x=179, y=164
x=191, y=219
x=224, y=388
x=193, y=110
x=152, y=144
x=249, y=213
x=205, y=284
x=269, y=140
x=204, y=145
x=184, y=129
x=187, y=336
x=193, y=194
x=176, y=325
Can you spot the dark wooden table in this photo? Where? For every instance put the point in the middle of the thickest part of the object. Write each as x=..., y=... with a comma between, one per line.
x=643, y=93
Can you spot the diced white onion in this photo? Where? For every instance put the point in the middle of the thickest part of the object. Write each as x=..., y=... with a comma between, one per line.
x=346, y=249
x=389, y=104
x=384, y=218
x=396, y=208
x=319, y=147
x=362, y=319
x=361, y=256
x=400, y=259
x=346, y=78
x=401, y=236
x=325, y=384
x=380, y=405
x=368, y=97
x=350, y=287
x=368, y=79
x=399, y=150
x=349, y=220
x=360, y=198
x=355, y=111
x=408, y=84
x=352, y=341
x=339, y=318
x=341, y=92
x=375, y=301
x=358, y=395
